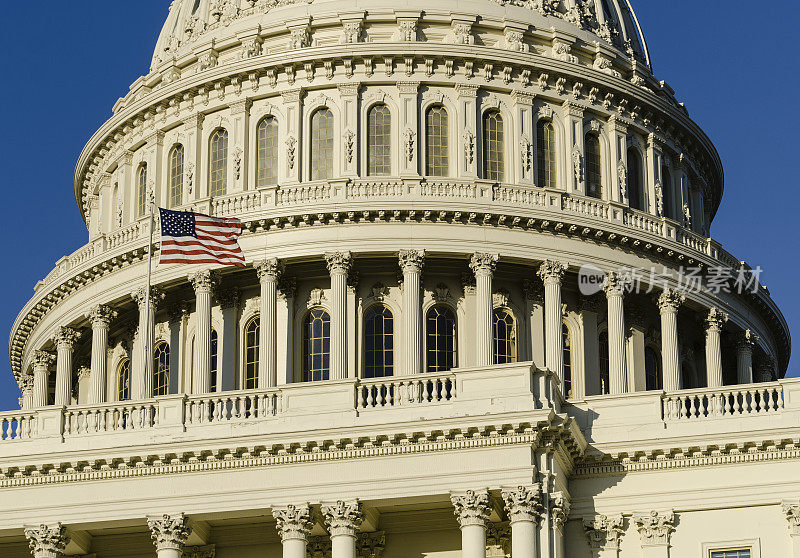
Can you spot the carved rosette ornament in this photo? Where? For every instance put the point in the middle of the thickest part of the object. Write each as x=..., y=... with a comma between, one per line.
x=294, y=522
x=552, y=272
x=411, y=260
x=715, y=320
x=66, y=337
x=483, y=264
x=791, y=510
x=604, y=532
x=339, y=262
x=268, y=270
x=203, y=281
x=655, y=528
x=670, y=300
x=471, y=507
x=47, y=541
x=559, y=510
x=169, y=532
x=523, y=504
x=343, y=518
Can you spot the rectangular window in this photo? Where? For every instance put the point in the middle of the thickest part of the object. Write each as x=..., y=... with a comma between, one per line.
x=731, y=553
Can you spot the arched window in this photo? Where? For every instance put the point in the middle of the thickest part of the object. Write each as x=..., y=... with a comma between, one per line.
x=317, y=346
x=493, y=146
x=176, y=176
x=546, y=154
x=214, y=352
x=437, y=142
x=218, y=163
x=440, y=337
x=666, y=176
x=379, y=141
x=141, y=190
x=321, y=144
x=652, y=369
x=124, y=380
x=604, y=364
x=161, y=369
x=567, y=362
x=635, y=180
x=251, y=333
x=267, y=152
x=594, y=166
x=504, y=336
x=378, y=342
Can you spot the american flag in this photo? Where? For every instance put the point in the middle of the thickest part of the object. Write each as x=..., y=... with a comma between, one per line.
x=194, y=238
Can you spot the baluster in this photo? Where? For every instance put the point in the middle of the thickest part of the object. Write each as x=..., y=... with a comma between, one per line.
x=692, y=406
x=5, y=429
x=764, y=401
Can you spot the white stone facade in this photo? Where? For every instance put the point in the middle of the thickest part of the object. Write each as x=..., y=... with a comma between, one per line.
x=407, y=366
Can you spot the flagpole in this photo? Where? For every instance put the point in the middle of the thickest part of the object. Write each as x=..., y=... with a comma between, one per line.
x=146, y=340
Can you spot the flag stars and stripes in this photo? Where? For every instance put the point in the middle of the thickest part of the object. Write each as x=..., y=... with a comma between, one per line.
x=194, y=238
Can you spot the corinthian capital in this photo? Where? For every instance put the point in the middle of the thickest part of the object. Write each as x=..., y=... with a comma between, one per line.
x=655, y=528
x=294, y=522
x=746, y=340
x=343, y=518
x=792, y=513
x=604, y=532
x=411, y=260
x=339, y=262
x=483, y=264
x=552, y=272
x=47, y=540
x=523, y=503
x=66, y=337
x=42, y=359
x=471, y=507
x=670, y=300
x=101, y=315
x=614, y=284
x=559, y=509
x=169, y=532
x=268, y=270
x=715, y=320
x=203, y=281
x=156, y=296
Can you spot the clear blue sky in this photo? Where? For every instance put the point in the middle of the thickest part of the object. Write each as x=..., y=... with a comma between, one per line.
x=66, y=63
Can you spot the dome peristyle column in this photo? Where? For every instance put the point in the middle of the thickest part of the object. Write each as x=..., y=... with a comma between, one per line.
x=668, y=303
x=714, y=322
x=552, y=273
x=100, y=317
x=269, y=272
x=744, y=357
x=483, y=266
x=615, y=293
x=203, y=283
x=339, y=264
x=42, y=361
x=141, y=372
x=65, y=340
x=411, y=262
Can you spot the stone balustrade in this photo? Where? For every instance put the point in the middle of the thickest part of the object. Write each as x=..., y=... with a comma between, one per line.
x=710, y=403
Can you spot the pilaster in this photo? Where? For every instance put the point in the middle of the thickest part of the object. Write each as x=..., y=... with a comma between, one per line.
x=604, y=534
x=654, y=531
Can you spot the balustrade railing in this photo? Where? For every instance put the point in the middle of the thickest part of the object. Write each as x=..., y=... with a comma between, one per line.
x=732, y=401
x=19, y=425
x=405, y=391
x=112, y=417
x=231, y=407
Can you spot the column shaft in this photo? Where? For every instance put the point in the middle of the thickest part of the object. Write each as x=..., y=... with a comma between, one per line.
x=473, y=541
x=65, y=343
x=339, y=267
x=411, y=262
x=616, y=335
x=523, y=539
x=294, y=548
x=203, y=283
x=142, y=373
x=343, y=520
x=552, y=273
x=744, y=358
x=343, y=546
x=101, y=320
x=668, y=303
x=483, y=265
x=41, y=364
x=714, y=323
x=268, y=273
x=472, y=511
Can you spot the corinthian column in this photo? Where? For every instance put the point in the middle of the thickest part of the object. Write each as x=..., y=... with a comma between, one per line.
x=41, y=365
x=604, y=534
x=65, y=340
x=169, y=534
x=411, y=262
x=483, y=266
x=203, y=283
x=343, y=520
x=100, y=317
x=552, y=273
x=524, y=507
x=472, y=511
x=669, y=302
x=714, y=322
x=294, y=525
x=269, y=272
x=615, y=293
x=47, y=541
x=339, y=264
x=142, y=374
x=744, y=357
x=655, y=530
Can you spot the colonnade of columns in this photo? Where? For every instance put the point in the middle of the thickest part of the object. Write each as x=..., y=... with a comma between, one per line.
x=411, y=263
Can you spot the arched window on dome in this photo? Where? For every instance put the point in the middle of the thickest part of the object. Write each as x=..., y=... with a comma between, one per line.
x=161, y=369
x=176, y=176
x=379, y=141
x=267, y=152
x=378, y=342
x=635, y=180
x=594, y=166
x=504, y=330
x=652, y=369
x=567, y=335
x=322, y=144
x=124, y=380
x=251, y=350
x=141, y=190
x=440, y=339
x=218, y=163
x=667, y=192
x=604, y=364
x=316, y=346
x=494, y=146
x=546, y=161
x=437, y=141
